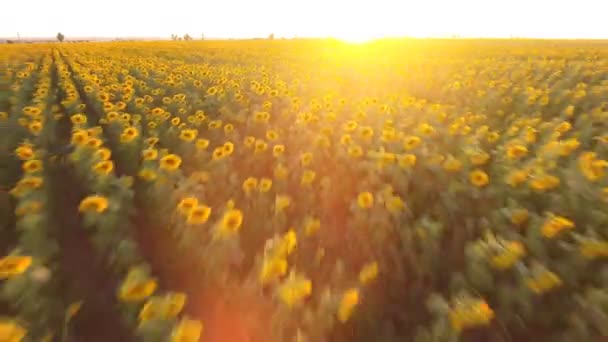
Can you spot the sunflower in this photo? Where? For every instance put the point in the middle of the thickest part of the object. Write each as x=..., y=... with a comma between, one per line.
x=93, y=143
x=368, y=273
x=272, y=269
x=568, y=146
x=249, y=141
x=30, y=182
x=592, y=168
x=260, y=146
x=215, y=124
x=175, y=121
x=104, y=167
x=479, y=158
x=544, y=181
x=346, y=139
x=152, y=309
x=199, y=215
x=24, y=152
x=278, y=150
x=151, y=141
x=311, y=226
x=149, y=154
x=555, y=224
x=479, y=178
x=406, y=161
x=350, y=126
x=157, y=111
x=32, y=111
x=426, y=129
x=136, y=290
x=452, y=164
x=78, y=119
x=211, y=91
x=516, y=151
x=543, y=281
x=350, y=299
x=108, y=106
x=249, y=185
x=218, y=153
x=112, y=116
x=265, y=184
x=147, y=174
x=103, y=97
x=355, y=151
x=230, y=223
x=294, y=290
x=272, y=135
x=200, y=115
x=170, y=162
x=519, y=216
x=280, y=171
x=365, y=200
x=563, y=127
x=128, y=134
x=306, y=158
x=308, y=177
x=11, y=331
x=32, y=166
x=27, y=111
x=96, y=203
x=29, y=207
x=95, y=131
x=516, y=177
x=228, y=148
x=394, y=204
x=261, y=117
x=14, y=265
x=188, y=134
x=187, y=330
x=228, y=128
x=411, y=143
x=174, y=304
x=470, y=313
x=35, y=127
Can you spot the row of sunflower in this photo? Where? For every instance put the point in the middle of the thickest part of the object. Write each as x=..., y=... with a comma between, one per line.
x=107, y=211
x=30, y=274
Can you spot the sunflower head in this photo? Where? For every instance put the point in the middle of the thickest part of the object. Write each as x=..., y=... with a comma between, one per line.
x=170, y=162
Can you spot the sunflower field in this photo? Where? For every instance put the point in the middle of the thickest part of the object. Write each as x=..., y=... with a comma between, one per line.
x=304, y=190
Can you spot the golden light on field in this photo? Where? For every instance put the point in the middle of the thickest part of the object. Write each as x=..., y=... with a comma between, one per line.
x=244, y=190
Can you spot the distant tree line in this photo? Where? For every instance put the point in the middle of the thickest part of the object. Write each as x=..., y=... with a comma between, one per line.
x=186, y=37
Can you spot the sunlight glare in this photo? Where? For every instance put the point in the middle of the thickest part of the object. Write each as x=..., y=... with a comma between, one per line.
x=355, y=39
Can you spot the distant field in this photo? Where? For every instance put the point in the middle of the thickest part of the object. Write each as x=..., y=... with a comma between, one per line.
x=304, y=190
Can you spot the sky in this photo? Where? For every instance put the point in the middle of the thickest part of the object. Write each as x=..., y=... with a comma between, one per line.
x=350, y=20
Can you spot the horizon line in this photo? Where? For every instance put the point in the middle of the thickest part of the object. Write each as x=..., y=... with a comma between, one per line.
x=436, y=36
